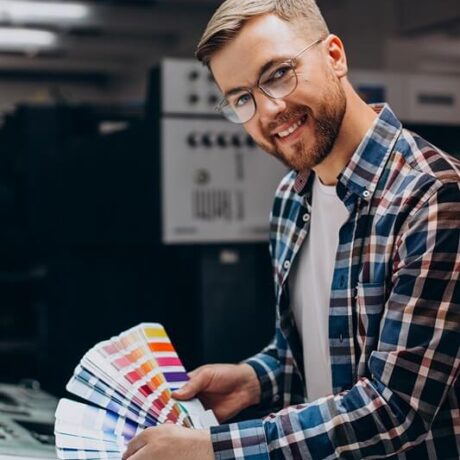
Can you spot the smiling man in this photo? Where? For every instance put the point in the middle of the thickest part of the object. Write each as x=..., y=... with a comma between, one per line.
x=365, y=243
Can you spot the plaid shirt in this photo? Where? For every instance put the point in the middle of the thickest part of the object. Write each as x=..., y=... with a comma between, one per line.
x=394, y=320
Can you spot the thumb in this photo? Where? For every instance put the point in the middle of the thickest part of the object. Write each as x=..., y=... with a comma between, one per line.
x=199, y=379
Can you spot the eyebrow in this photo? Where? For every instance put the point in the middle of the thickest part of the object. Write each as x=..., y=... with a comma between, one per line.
x=262, y=70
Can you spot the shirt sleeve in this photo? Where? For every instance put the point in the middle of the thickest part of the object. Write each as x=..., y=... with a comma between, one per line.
x=413, y=368
x=268, y=368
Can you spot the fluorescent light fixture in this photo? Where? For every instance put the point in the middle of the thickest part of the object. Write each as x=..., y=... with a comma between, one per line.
x=32, y=10
x=18, y=38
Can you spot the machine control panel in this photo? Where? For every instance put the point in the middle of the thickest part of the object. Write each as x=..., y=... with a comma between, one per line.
x=26, y=423
x=220, y=140
x=217, y=184
x=188, y=88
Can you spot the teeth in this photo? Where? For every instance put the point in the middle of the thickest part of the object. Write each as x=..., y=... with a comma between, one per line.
x=291, y=129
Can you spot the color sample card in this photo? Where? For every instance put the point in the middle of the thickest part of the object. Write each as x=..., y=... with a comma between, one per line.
x=130, y=378
x=164, y=353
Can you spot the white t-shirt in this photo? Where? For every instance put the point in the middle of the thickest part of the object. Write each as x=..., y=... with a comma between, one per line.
x=310, y=286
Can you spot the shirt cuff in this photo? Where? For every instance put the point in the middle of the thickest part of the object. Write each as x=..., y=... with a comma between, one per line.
x=240, y=441
x=267, y=370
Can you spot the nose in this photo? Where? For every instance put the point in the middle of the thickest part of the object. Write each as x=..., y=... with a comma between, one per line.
x=268, y=108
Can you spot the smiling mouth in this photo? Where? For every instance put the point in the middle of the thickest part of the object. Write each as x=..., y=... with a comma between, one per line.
x=293, y=128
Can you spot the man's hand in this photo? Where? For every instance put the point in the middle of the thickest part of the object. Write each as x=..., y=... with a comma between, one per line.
x=227, y=389
x=170, y=442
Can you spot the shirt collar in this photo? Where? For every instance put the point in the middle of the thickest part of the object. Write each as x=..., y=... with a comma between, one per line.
x=363, y=171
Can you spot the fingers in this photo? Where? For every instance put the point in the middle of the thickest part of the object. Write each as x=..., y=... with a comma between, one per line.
x=140, y=454
x=199, y=380
x=135, y=444
x=191, y=374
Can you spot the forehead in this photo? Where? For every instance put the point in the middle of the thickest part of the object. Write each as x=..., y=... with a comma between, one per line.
x=261, y=39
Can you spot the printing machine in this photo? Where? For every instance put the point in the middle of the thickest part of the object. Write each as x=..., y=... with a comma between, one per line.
x=26, y=423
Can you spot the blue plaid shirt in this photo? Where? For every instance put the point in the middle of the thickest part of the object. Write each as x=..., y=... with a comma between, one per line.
x=394, y=320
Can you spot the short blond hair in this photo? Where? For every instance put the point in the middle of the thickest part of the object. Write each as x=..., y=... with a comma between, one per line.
x=231, y=16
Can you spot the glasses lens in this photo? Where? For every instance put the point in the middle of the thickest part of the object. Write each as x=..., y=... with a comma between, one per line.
x=239, y=108
x=279, y=82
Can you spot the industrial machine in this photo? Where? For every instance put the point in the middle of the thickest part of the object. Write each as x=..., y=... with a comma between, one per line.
x=26, y=423
x=426, y=104
x=217, y=185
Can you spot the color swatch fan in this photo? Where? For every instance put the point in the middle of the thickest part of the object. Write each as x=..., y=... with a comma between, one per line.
x=130, y=379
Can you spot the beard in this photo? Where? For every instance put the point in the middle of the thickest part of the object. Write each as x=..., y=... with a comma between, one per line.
x=326, y=123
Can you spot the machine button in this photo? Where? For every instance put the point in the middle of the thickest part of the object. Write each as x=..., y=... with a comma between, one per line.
x=207, y=140
x=222, y=140
x=193, y=99
x=193, y=75
x=236, y=140
x=192, y=140
x=213, y=100
x=202, y=177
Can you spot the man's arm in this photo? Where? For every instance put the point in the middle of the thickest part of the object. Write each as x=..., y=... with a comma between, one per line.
x=414, y=368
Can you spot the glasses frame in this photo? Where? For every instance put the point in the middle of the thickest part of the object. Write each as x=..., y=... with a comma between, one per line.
x=291, y=62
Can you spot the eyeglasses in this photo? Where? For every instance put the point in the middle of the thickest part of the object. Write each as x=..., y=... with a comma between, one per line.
x=277, y=82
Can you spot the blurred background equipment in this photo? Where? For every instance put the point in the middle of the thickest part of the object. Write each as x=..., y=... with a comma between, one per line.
x=427, y=105
x=216, y=182
x=26, y=422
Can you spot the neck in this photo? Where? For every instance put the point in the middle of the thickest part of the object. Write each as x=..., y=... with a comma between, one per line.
x=357, y=120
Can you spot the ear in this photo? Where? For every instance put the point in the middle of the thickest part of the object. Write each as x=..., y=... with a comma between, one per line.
x=336, y=55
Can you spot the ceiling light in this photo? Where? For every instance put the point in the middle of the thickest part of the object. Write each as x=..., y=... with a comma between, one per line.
x=17, y=38
x=28, y=10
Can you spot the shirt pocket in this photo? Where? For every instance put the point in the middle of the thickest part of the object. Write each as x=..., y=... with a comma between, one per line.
x=370, y=301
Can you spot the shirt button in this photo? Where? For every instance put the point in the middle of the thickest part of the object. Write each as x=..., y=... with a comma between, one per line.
x=306, y=217
x=366, y=194
x=286, y=264
x=276, y=398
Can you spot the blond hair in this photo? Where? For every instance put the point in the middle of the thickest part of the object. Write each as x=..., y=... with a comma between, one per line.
x=231, y=16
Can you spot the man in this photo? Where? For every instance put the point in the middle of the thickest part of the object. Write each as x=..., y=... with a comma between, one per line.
x=365, y=247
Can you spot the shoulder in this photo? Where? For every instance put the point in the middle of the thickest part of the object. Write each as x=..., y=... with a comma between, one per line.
x=418, y=171
x=425, y=159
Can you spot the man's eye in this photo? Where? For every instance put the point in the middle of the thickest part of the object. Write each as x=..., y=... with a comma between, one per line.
x=278, y=74
x=241, y=100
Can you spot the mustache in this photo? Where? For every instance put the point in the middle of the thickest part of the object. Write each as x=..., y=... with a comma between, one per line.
x=285, y=117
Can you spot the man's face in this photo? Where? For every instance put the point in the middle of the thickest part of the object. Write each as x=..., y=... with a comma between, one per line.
x=299, y=129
